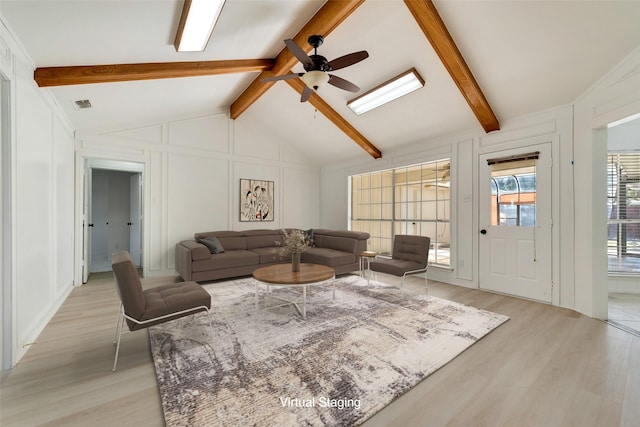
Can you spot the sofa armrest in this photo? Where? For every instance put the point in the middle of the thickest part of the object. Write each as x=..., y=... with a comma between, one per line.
x=186, y=252
x=198, y=250
x=348, y=241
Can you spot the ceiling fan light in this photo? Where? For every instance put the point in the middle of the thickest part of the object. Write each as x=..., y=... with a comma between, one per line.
x=198, y=19
x=315, y=79
x=394, y=88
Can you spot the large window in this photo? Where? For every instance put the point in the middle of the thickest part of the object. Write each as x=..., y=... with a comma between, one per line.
x=410, y=200
x=623, y=206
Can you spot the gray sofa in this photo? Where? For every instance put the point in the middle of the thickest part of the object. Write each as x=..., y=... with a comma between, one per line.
x=245, y=251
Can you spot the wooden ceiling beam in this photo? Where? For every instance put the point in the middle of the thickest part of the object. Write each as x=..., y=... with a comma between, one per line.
x=337, y=119
x=84, y=74
x=330, y=15
x=429, y=20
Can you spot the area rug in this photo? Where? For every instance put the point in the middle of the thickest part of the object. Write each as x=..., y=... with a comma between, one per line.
x=269, y=367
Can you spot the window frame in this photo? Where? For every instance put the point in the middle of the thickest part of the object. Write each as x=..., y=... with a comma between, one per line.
x=406, y=207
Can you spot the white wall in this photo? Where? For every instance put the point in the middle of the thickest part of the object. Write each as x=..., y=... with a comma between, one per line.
x=193, y=168
x=579, y=137
x=41, y=201
x=624, y=137
x=464, y=149
x=5, y=229
x=614, y=97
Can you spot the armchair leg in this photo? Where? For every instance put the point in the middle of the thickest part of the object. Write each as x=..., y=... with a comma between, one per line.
x=120, y=318
x=119, y=334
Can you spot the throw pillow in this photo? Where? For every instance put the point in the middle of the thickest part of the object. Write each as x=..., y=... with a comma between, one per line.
x=309, y=235
x=214, y=245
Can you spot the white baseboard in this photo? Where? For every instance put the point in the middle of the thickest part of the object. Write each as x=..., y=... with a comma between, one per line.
x=31, y=338
x=624, y=284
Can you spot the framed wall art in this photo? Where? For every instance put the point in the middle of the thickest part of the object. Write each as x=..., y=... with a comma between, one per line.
x=256, y=200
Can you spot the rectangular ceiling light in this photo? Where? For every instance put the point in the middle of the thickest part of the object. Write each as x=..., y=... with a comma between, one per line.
x=388, y=91
x=196, y=24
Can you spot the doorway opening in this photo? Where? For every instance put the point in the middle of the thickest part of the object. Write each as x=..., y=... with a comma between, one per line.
x=113, y=214
x=623, y=223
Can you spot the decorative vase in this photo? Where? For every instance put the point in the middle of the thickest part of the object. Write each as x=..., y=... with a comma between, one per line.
x=295, y=261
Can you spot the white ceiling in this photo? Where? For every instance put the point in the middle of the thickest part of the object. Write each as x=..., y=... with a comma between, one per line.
x=527, y=56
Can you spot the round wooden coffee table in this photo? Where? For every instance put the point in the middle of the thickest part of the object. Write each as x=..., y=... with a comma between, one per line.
x=281, y=275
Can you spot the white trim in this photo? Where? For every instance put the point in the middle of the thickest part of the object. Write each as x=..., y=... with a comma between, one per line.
x=129, y=165
x=6, y=228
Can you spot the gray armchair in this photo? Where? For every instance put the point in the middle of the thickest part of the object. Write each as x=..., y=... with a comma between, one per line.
x=143, y=308
x=410, y=255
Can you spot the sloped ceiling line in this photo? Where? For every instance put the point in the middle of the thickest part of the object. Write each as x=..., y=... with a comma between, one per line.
x=337, y=119
x=328, y=17
x=433, y=27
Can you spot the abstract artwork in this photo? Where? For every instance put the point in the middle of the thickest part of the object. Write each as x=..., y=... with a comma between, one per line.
x=256, y=200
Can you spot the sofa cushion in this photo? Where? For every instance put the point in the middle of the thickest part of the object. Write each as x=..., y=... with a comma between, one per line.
x=213, y=244
x=270, y=255
x=327, y=256
x=412, y=248
x=228, y=259
x=397, y=267
x=171, y=298
x=262, y=238
x=230, y=240
x=345, y=244
x=358, y=235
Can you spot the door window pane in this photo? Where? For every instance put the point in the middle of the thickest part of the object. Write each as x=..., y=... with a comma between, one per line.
x=513, y=194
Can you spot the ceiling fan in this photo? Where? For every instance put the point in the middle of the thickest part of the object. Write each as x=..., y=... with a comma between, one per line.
x=317, y=68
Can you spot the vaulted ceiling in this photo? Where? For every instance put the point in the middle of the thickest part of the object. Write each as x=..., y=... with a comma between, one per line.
x=484, y=62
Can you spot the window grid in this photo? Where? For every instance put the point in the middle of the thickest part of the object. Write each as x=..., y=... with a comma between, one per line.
x=623, y=208
x=409, y=200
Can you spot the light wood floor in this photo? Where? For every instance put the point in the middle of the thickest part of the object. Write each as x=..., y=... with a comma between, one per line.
x=624, y=311
x=547, y=366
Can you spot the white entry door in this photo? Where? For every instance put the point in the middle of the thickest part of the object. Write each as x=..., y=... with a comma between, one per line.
x=515, y=222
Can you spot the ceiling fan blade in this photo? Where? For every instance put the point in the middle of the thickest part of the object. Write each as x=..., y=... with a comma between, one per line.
x=299, y=53
x=283, y=77
x=345, y=61
x=342, y=83
x=306, y=93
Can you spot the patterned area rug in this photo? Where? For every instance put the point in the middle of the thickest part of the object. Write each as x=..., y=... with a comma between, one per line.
x=348, y=360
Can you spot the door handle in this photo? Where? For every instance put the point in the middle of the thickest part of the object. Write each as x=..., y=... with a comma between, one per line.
x=128, y=223
x=90, y=225
x=483, y=231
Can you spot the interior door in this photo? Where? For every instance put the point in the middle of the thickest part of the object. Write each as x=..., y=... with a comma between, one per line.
x=86, y=220
x=135, y=216
x=515, y=222
x=99, y=221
